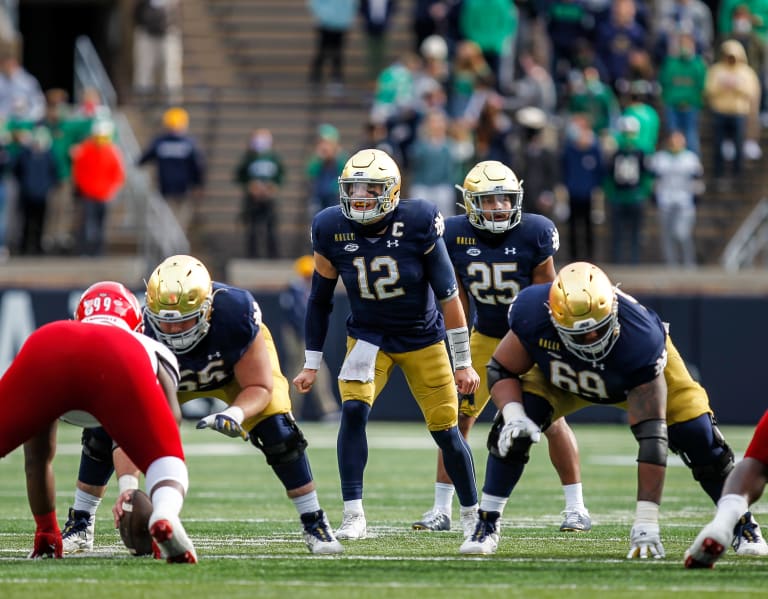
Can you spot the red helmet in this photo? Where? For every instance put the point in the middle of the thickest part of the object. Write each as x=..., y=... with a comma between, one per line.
x=111, y=303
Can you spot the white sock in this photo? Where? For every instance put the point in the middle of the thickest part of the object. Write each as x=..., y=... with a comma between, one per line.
x=730, y=508
x=85, y=502
x=574, y=500
x=167, y=500
x=492, y=503
x=306, y=503
x=444, y=498
x=354, y=506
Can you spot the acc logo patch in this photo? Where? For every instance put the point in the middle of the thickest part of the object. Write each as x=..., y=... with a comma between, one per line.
x=473, y=252
x=351, y=247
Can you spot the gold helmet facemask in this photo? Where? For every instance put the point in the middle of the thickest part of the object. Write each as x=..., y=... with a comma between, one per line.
x=179, y=290
x=491, y=178
x=369, y=172
x=584, y=308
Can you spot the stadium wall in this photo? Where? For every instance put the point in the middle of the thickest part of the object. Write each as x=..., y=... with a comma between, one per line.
x=720, y=337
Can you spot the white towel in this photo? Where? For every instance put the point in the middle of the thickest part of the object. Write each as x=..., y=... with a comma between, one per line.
x=360, y=364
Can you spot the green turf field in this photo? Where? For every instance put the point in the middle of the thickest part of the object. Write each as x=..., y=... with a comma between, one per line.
x=247, y=533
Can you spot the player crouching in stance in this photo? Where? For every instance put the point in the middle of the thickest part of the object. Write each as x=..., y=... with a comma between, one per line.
x=743, y=487
x=580, y=341
x=226, y=351
x=103, y=372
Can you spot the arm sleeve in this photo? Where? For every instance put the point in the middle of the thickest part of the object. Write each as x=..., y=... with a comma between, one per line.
x=319, y=309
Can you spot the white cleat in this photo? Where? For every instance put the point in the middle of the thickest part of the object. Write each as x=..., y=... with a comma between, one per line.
x=318, y=534
x=78, y=532
x=468, y=520
x=353, y=527
x=748, y=538
x=485, y=538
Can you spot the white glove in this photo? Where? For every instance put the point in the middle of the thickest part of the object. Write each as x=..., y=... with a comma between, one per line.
x=516, y=424
x=645, y=538
x=229, y=422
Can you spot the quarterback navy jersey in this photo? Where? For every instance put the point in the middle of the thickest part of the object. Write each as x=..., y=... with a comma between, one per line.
x=387, y=278
x=493, y=268
x=235, y=322
x=638, y=356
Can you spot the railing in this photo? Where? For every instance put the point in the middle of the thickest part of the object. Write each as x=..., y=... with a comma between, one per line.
x=750, y=242
x=147, y=214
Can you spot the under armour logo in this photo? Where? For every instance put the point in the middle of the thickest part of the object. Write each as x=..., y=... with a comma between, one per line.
x=392, y=243
x=508, y=251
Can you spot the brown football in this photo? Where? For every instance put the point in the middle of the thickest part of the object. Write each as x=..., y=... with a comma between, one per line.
x=134, y=525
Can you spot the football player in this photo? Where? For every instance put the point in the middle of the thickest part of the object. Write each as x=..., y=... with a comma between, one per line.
x=104, y=372
x=743, y=487
x=392, y=259
x=226, y=351
x=497, y=250
x=579, y=341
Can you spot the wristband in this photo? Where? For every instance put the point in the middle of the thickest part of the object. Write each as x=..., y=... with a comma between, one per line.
x=127, y=482
x=458, y=343
x=647, y=512
x=312, y=359
x=513, y=411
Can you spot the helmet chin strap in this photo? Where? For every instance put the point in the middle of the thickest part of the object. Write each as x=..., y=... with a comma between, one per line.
x=377, y=228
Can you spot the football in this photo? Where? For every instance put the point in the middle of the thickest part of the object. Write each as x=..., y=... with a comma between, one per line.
x=134, y=525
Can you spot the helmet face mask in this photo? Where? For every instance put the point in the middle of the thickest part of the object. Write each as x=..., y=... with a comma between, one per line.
x=369, y=187
x=583, y=307
x=180, y=302
x=110, y=302
x=490, y=180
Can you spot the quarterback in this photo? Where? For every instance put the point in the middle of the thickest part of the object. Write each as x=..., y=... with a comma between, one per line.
x=577, y=342
x=497, y=250
x=392, y=259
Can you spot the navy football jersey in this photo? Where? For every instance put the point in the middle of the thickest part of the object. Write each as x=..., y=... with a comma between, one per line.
x=637, y=357
x=235, y=322
x=494, y=267
x=387, y=280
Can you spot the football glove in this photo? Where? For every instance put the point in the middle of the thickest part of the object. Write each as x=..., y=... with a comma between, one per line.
x=47, y=545
x=645, y=541
x=516, y=424
x=229, y=423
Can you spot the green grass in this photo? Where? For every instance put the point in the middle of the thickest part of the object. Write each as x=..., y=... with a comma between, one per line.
x=247, y=537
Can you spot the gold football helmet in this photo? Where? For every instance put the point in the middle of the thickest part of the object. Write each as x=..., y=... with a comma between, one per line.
x=584, y=308
x=180, y=290
x=369, y=172
x=492, y=178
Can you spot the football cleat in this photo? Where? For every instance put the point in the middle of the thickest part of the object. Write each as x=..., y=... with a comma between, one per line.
x=708, y=546
x=172, y=540
x=78, y=532
x=318, y=534
x=433, y=520
x=576, y=521
x=353, y=527
x=485, y=538
x=748, y=539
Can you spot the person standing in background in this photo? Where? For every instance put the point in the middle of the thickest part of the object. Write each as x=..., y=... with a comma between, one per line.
x=180, y=166
x=260, y=173
x=157, y=46
x=293, y=302
x=98, y=174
